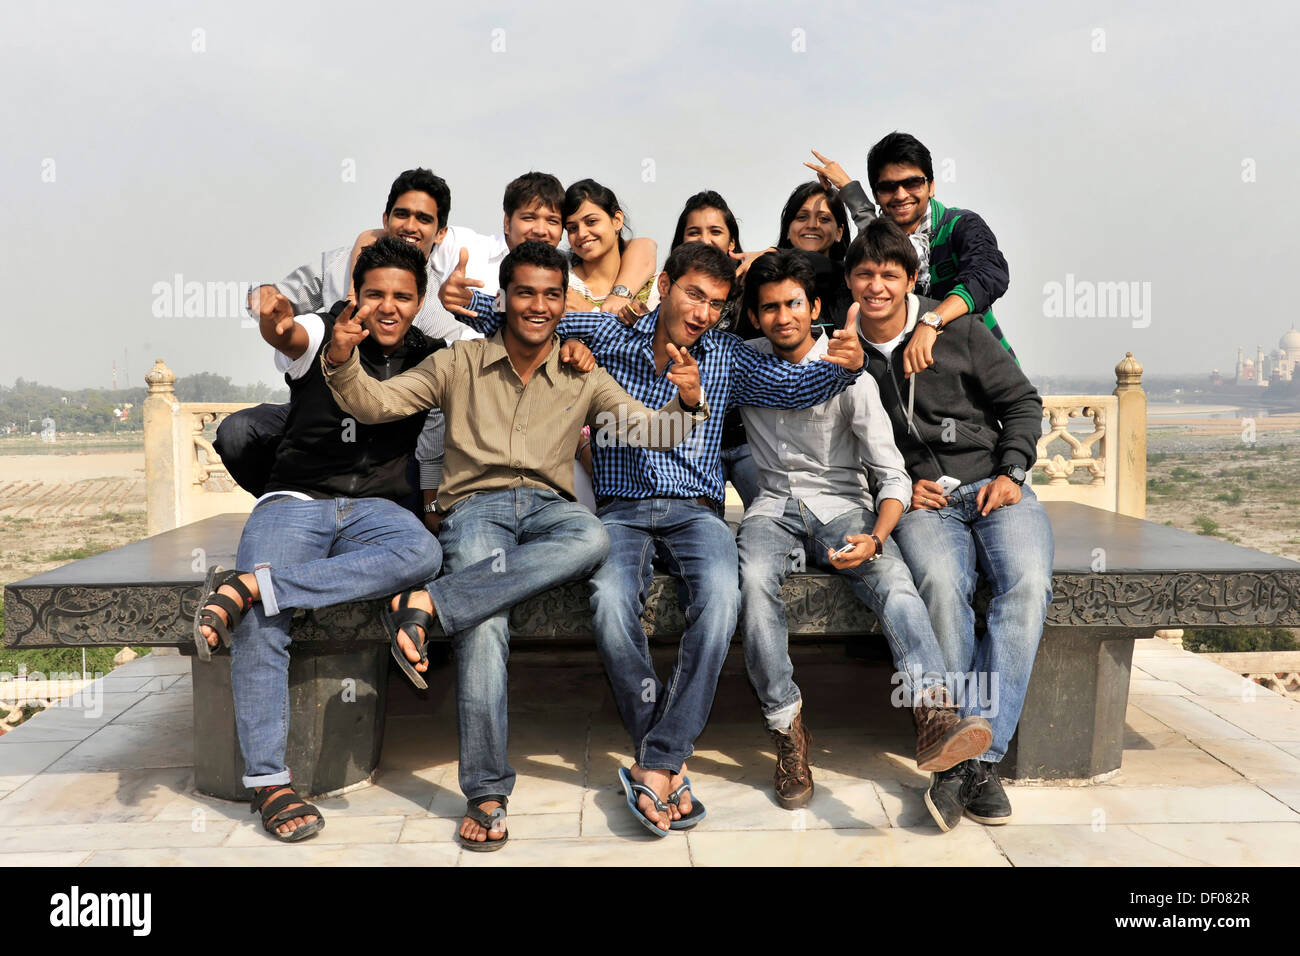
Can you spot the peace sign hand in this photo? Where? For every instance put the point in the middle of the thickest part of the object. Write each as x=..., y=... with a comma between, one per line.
x=348, y=332
x=829, y=173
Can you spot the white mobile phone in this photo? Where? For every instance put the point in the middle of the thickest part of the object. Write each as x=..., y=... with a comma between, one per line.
x=948, y=484
x=844, y=550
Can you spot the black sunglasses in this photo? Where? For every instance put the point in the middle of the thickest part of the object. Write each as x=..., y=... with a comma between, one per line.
x=887, y=187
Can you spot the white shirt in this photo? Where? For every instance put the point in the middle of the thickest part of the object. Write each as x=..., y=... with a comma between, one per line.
x=485, y=255
x=818, y=454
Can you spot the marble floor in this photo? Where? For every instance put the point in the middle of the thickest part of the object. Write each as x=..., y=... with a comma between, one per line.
x=1211, y=776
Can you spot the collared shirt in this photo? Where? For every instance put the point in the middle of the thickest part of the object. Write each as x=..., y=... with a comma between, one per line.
x=921, y=243
x=818, y=454
x=731, y=374
x=501, y=432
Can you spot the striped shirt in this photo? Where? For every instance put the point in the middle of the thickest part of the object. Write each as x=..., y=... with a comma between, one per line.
x=731, y=374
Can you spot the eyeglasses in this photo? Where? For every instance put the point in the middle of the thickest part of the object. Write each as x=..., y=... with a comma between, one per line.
x=699, y=298
x=887, y=187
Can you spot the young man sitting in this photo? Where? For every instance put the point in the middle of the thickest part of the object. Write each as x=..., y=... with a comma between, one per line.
x=328, y=530
x=416, y=213
x=814, y=507
x=511, y=526
x=669, y=504
x=968, y=428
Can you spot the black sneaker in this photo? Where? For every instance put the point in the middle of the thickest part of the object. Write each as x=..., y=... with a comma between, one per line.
x=951, y=791
x=990, y=805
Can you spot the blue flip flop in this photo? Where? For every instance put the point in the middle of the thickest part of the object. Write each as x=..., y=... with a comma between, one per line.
x=631, y=788
x=697, y=813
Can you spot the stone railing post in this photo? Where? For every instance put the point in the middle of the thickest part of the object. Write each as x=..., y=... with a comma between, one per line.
x=162, y=478
x=1131, y=439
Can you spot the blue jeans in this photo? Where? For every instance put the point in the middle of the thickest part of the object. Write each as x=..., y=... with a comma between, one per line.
x=501, y=548
x=1012, y=548
x=770, y=548
x=700, y=551
x=310, y=554
x=738, y=468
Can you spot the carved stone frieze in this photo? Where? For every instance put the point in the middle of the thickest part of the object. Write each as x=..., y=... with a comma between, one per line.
x=816, y=605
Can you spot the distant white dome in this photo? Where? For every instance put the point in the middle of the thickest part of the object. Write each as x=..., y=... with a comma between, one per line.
x=1290, y=341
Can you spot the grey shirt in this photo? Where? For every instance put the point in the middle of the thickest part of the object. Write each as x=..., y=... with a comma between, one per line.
x=821, y=455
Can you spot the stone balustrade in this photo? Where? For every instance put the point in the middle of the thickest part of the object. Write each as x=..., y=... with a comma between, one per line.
x=1093, y=451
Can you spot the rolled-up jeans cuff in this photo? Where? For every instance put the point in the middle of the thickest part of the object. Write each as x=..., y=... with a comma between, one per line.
x=280, y=779
x=782, y=719
x=263, y=574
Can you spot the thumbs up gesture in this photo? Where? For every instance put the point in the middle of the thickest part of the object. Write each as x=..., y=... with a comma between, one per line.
x=845, y=348
x=684, y=372
x=457, y=292
x=348, y=332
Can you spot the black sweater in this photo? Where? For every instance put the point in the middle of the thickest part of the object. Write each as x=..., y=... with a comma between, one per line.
x=327, y=454
x=974, y=410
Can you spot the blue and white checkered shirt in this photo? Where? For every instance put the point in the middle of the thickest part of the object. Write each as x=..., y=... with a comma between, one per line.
x=731, y=374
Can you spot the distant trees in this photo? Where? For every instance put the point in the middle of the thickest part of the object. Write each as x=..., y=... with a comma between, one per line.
x=23, y=405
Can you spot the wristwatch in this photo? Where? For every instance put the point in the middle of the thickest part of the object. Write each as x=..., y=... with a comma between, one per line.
x=431, y=508
x=622, y=291
x=1014, y=472
x=933, y=320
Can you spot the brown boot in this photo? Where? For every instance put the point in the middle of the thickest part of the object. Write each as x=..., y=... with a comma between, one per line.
x=943, y=739
x=794, y=783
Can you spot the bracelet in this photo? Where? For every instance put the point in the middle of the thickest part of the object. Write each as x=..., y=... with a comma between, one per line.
x=880, y=546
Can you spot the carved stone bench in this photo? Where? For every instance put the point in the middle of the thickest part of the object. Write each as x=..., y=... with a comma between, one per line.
x=1116, y=578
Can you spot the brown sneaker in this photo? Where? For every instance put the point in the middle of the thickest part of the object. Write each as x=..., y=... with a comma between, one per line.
x=943, y=739
x=794, y=783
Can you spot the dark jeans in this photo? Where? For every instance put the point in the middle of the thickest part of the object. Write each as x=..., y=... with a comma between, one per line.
x=664, y=719
x=501, y=548
x=247, y=442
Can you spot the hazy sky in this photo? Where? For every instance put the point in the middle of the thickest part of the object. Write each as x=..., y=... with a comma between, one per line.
x=1146, y=144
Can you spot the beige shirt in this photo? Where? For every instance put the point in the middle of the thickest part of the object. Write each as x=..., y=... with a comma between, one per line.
x=502, y=433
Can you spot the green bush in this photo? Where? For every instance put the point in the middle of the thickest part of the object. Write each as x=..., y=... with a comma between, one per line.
x=1223, y=640
x=1206, y=525
x=1232, y=497
x=1184, y=474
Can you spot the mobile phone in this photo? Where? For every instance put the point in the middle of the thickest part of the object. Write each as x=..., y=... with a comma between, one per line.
x=844, y=550
x=948, y=484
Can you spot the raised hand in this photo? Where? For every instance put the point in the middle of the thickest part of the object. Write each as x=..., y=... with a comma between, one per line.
x=845, y=348
x=348, y=332
x=274, y=309
x=685, y=374
x=574, y=353
x=457, y=293
x=829, y=173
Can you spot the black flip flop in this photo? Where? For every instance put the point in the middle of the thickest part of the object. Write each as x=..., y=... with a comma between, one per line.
x=406, y=617
x=486, y=821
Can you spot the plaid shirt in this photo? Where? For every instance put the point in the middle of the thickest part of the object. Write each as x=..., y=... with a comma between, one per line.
x=731, y=374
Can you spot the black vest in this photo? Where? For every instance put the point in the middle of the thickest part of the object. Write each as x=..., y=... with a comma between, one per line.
x=328, y=454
